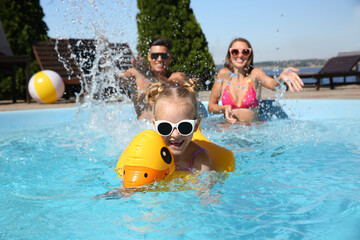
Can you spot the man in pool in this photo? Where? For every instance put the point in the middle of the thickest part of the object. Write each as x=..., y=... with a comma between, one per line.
x=139, y=77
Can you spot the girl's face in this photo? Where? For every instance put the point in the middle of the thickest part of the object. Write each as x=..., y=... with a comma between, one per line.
x=239, y=60
x=174, y=112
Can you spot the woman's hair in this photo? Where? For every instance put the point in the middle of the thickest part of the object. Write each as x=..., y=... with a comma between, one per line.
x=181, y=92
x=249, y=64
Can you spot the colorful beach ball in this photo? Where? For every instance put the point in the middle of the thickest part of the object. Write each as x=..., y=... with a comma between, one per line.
x=46, y=86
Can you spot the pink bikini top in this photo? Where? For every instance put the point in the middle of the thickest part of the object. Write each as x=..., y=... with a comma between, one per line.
x=249, y=100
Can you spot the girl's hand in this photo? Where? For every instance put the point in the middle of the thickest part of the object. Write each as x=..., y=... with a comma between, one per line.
x=120, y=192
x=229, y=115
x=292, y=79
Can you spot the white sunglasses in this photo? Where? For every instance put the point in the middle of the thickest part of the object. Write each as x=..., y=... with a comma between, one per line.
x=184, y=127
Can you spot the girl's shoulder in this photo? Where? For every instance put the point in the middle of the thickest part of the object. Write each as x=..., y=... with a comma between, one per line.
x=197, y=150
x=201, y=157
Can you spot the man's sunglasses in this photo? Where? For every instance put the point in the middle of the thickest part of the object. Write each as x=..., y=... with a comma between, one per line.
x=155, y=56
x=184, y=127
x=235, y=52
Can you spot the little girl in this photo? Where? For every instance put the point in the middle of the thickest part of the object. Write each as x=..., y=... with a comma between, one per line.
x=174, y=110
x=175, y=116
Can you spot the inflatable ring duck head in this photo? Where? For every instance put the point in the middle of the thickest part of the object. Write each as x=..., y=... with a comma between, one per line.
x=146, y=160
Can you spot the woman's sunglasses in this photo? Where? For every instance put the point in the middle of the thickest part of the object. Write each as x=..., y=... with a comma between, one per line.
x=155, y=56
x=235, y=52
x=184, y=127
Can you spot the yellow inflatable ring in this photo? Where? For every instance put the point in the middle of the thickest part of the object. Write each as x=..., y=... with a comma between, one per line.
x=147, y=159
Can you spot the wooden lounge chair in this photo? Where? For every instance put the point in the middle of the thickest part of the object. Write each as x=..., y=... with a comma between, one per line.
x=63, y=56
x=341, y=66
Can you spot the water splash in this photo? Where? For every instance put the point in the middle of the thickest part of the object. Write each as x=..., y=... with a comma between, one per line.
x=93, y=28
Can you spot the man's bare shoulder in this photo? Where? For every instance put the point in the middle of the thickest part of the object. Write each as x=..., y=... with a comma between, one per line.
x=177, y=76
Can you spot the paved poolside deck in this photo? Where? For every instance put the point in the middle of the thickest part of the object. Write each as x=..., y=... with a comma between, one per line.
x=341, y=92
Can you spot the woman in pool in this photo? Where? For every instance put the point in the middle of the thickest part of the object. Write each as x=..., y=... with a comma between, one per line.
x=238, y=82
x=175, y=117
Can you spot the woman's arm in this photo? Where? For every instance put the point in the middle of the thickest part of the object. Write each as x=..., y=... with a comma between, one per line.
x=288, y=75
x=292, y=79
x=216, y=91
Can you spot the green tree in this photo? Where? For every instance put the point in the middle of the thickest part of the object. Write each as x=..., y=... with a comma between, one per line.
x=175, y=20
x=23, y=25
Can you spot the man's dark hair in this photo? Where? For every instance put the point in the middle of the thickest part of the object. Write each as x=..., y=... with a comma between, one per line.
x=160, y=42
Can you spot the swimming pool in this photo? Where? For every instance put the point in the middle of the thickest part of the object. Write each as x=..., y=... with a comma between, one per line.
x=296, y=177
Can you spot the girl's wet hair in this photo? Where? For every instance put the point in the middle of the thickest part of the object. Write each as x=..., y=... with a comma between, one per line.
x=249, y=65
x=184, y=90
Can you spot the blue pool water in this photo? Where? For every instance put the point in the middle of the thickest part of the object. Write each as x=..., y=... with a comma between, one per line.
x=297, y=177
